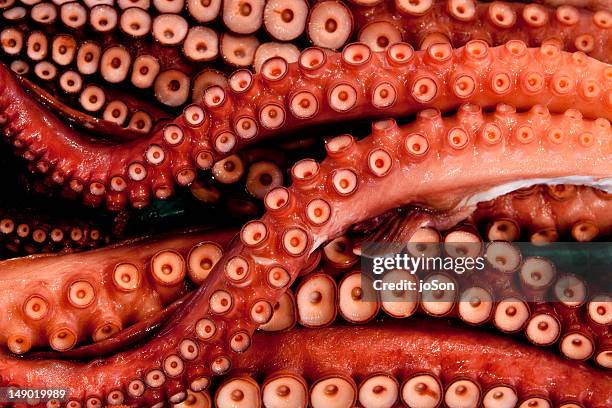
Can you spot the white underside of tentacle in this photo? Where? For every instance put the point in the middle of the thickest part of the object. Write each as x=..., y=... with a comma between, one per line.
x=604, y=184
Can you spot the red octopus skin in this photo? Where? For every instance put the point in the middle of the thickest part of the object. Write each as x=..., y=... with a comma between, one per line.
x=134, y=171
x=236, y=302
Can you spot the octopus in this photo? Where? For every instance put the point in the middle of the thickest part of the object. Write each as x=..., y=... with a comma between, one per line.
x=199, y=194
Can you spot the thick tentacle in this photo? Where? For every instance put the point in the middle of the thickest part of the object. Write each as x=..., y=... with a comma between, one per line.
x=417, y=363
x=321, y=87
x=516, y=293
x=76, y=53
x=192, y=319
x=77, y=298
x=428, y=362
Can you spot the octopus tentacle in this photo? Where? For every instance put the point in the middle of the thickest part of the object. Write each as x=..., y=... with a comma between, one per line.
x=324, y=201
x=424, y=376
x=23, y=232
x=311, y=367
x=320, y=87
x=69, y=88
x=126, y=337
x=458, y=21
x=120, y=121
x=515, y=293
x=549, y=212
x=70, y=303
x=122, y=103
x=328, y=24
x=576, y=212
x=338, y=258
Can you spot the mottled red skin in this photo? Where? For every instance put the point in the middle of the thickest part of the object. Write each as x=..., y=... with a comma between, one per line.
x=438, y=20
x=72, y=158
x=408, y=347
x=402, y=349
x=406, y=182
x=538, y=208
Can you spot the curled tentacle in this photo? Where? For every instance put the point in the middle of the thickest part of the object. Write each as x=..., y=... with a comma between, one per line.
x=438, y=77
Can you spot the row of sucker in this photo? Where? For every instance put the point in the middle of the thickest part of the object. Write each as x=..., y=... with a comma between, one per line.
x=330, y=23
x=173, y=58
x=153, y=282
x=424, y=22
x=338, y=256
x=319, y=88
x=552, y=215
x=515, y=294
x=65, y=309
x=27, y=236
x=415, y=389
